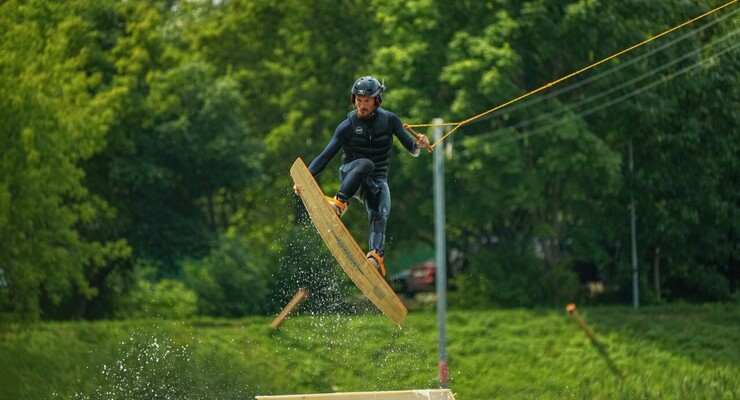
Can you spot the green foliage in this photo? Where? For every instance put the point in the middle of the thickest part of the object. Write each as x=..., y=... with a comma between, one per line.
x=146, y=131
x=177, y=150
x=50, y=122
x=501, y=277
x=672, y=352
x=698, y=285
x=553, y=170
x=231, y=281
x=162, y=299
x=485, y=61
x=680, y=162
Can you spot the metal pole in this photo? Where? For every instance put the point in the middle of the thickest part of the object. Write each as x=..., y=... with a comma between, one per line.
x=440, y=254
x=633, y=233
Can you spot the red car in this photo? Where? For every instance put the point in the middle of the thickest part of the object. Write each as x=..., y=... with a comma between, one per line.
x=421, y=277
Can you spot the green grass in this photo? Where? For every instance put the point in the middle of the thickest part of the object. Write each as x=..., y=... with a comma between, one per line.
x=678, y=352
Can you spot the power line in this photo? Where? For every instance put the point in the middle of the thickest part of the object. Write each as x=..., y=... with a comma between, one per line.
x=616, y=100
x=555, y=82
x=609, y=71
x=609, y=91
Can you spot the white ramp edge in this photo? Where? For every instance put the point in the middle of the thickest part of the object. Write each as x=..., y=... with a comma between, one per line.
x=426, y=394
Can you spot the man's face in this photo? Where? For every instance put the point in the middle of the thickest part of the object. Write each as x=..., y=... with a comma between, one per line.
x=365, y=106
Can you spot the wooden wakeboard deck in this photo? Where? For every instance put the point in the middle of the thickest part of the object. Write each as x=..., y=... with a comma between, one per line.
x=343, y=246
x=431, y=394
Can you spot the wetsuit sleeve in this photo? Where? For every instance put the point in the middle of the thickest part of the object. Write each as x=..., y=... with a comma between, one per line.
x=332, y=148
x=406, y=140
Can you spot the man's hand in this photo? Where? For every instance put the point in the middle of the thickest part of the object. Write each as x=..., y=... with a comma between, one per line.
x=297, y=190
x=422, y=141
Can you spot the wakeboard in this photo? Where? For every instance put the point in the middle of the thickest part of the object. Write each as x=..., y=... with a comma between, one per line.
x=343, y=246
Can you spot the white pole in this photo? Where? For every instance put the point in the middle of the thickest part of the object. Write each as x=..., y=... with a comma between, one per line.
x=440, y=254
x=633, y=234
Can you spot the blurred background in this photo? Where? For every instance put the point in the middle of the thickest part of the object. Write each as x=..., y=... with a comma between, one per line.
x=145, y=149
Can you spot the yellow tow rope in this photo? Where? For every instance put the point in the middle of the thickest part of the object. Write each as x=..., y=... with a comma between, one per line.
x=457, y=125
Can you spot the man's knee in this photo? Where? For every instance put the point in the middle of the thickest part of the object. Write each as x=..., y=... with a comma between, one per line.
x=379, y=217
x=365, y=166
x=362, y=168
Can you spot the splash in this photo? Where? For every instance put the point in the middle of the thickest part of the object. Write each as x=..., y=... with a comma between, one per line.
x=152, y=365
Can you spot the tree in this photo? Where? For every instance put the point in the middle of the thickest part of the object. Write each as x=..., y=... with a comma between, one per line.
x=177, y=150
x=294, y=63
x=510, y=48
x=50, y=122
x=681, y=157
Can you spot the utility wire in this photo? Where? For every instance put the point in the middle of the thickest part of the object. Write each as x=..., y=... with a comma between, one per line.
x=593, y=65
x=621, y=86
x=615, y=100
x=608, y=72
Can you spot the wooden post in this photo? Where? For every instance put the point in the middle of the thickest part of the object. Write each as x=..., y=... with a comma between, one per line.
x=292, y=305
x=571, y=309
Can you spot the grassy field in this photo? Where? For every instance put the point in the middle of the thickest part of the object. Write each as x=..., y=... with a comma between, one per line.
x=669, y=352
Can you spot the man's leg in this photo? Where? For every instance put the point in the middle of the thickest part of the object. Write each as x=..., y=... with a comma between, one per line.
x=378, y=207
x=352, y=175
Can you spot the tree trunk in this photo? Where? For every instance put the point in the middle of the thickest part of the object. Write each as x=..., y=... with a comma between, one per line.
x=656, y=273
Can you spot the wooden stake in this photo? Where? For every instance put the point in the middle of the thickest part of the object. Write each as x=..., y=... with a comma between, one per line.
x=288, y=309
x=571, y=309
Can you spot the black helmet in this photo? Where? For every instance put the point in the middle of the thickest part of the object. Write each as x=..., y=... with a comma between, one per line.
x=368, y=86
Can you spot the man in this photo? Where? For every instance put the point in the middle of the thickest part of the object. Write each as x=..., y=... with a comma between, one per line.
x=366, y=137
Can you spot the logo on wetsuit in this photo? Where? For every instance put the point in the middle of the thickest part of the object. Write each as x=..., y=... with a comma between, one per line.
x=359, y=130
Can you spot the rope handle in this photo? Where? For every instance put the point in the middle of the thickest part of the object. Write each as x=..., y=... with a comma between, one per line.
x=416, y=136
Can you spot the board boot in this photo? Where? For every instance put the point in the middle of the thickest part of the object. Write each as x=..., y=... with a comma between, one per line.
x=376, y=260
x=337, y=205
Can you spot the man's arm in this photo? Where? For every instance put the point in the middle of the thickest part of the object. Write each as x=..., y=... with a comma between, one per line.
x=332, y=148
x=412, y=145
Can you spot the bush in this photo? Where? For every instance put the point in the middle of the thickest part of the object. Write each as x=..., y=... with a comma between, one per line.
x=701, y=284
x=230, y=281
x=165, y=298
x=502, y=277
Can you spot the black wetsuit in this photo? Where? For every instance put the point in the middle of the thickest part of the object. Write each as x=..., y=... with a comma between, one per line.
x=367, y=146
